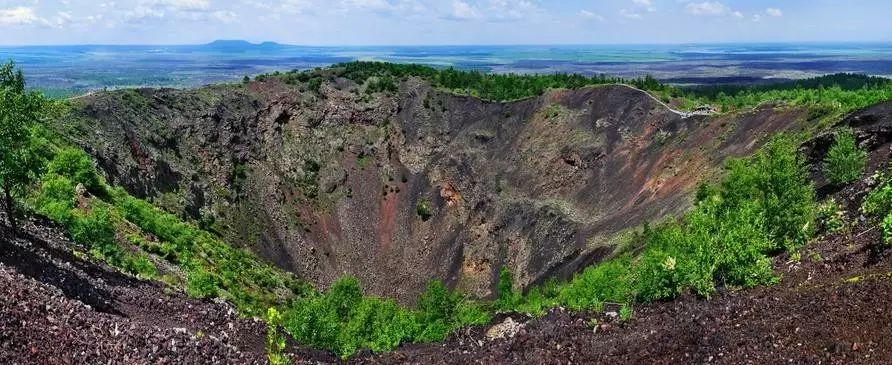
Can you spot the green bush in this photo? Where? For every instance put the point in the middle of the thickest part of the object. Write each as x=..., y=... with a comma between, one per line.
x=376, y=324
x=437, y=311
x=344, y=321
x=95, y=230
x=344, y=295
x=76, y=165
x=878, y=202
x=776, y=179
x=56, y=199
x=201, y=284
x=887, y=229
x=508, y=299
x=845, y=162
x=423, y=209
x=139, y=265
x=472, y=314
x=625, y=313
x=275, y=342
x=830, y=217
x=605, y=282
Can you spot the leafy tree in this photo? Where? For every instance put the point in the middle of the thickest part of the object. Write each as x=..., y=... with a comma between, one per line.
x=845, y=161
x=19, y=112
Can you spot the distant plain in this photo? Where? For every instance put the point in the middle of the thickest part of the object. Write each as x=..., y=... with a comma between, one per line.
x=69, y=70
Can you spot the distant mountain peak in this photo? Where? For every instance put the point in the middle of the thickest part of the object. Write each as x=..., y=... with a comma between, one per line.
x=240, y=43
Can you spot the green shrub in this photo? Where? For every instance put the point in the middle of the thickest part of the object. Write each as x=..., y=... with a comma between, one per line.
x=437, y=311
x=76, y=165
x=423, y=209
x=167, y=227
x=275, y=342
x=376, y=324
x=472, y=314
x=830, y=217
x=200, y=283
x=606, y=282
x=878, y=202
x=312, y=322
x=96, y=231
x=139, y=265
x=776, y=179
x=625, y=313
x=507, y=297
x=344, y=321
x=845, y=161
x=887, y=229
x=344, y=295
x=56, y=199
x=382, y=84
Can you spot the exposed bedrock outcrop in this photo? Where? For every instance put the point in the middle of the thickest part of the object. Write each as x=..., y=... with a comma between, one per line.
x=417, y=185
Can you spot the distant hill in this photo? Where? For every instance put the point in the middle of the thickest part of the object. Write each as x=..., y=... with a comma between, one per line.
x=238, y=45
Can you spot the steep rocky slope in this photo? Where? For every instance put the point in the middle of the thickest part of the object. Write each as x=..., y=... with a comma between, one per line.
x=420, y=184
x=58, y=307
x=830, y=306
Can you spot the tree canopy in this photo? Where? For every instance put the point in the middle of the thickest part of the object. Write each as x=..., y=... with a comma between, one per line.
x=20, y=111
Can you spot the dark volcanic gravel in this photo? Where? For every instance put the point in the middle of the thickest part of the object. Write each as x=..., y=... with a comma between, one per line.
x=58, y=309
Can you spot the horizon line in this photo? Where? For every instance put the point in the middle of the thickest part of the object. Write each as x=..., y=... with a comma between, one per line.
x=347, y=45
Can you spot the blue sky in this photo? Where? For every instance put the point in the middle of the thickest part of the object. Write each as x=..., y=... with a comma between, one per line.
x=398, y=22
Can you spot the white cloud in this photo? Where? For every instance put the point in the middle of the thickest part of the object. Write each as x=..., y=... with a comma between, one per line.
x=774, y=12
x=285, y=6
x=23, y=15
x=224, y=16
x=626, y=13
x=492, y=10
x=188, y=5
x=646, y=4
x=141, y=13
x=590, y=15
x=374, y=5
x=757, y=18
x=190, y=10
x=20, y=15
x=463, y=11
x=712, y=8
x=403, y=8
x=708, y=8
